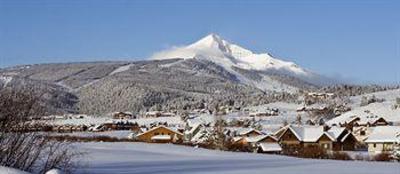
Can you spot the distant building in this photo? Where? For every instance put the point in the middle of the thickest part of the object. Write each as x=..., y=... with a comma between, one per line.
x=155, y=114
x=160, y=134
x=122, y=115
x=383, y=139
x=336, y=139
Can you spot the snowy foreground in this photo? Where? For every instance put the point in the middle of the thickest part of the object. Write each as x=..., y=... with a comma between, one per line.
x=166, y=158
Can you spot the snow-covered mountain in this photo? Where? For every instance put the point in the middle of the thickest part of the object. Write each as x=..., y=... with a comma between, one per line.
x=232, y=57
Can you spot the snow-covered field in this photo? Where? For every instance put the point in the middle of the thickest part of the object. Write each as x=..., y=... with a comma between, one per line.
x=166, y=158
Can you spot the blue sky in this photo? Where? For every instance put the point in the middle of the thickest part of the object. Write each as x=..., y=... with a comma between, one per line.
x=357, y=40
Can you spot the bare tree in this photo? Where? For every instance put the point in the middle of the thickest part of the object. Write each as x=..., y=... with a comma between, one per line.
x=21, y=148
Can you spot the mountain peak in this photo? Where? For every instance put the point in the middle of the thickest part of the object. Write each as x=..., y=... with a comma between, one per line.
x=211, y=41
x=218, y=50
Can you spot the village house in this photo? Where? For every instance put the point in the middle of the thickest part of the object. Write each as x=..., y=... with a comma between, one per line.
x=247, y=132
x=383, y=139
x=336, y=139
x=315, y=108
x=372, y=121
x=320, y=95
x=118, y=125
x=260, y=143
x=160, y=134
x=193, y=130
x=156, y=114
x=198, y=134
x=365, y=120
x=123, y=115
x=268, y=112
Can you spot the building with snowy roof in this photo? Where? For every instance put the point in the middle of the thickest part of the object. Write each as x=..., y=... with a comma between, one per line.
x=383, y=138
x=334, y=138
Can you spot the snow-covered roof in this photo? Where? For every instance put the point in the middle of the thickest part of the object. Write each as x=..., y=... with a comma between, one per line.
x=310, y=133
x=270, y=147
x=194, y=127
x=236, y=139
x=384, y=134
x=335, y=132
x=161, y=137
x=157, y=127
x=244, y=131
x=258, y=138
x=307, y=134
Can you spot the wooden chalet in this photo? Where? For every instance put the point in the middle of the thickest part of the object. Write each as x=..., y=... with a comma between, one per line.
x=330, y=139
x=160, y=134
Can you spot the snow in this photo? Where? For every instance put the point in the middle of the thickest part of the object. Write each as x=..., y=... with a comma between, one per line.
x=121, y=69
x=54, y=171
x=167, y=158
x=8, y=170
x=228, y=54
x=307, y=133
x=258, y=138
x=335, y=132
x=270, y=147
x=382, y=134
x=5, y=80
x=383, y=109
x=113, y=134
x=213, y=48
x=287, y=111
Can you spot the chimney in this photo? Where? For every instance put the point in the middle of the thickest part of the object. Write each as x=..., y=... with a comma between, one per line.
x=326, y=128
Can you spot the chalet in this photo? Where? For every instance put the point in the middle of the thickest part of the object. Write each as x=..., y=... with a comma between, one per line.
x=372, y=121
x=268, y=112
x=119, y=125
x=155, y=114
x=344, y=139
x=365, y=120
x=383, y=139
x=320, y=95
x=195, y=129
x=248, y=132
x=122, y=115
x=260, y=143
x=198, y=134
x=313, y=108
x=160, y=134
x=350, y=122
x=362, y=132
x=329, y=139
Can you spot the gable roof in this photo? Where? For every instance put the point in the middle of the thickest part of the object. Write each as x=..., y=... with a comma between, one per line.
x=310, y=133
x=270, y=147
x=335, y=132
x=158, y=127
x=246, y=131
x=258, y=138
x=384, y=134
x=307, y=133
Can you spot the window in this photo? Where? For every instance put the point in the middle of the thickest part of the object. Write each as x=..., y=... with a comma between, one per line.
x=325, y=146
x=374, y=145
x=156, y=133
x=362, y=133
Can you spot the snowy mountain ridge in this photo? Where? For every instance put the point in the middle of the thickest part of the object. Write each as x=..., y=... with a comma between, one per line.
x=231, y=56
x=227, y=54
